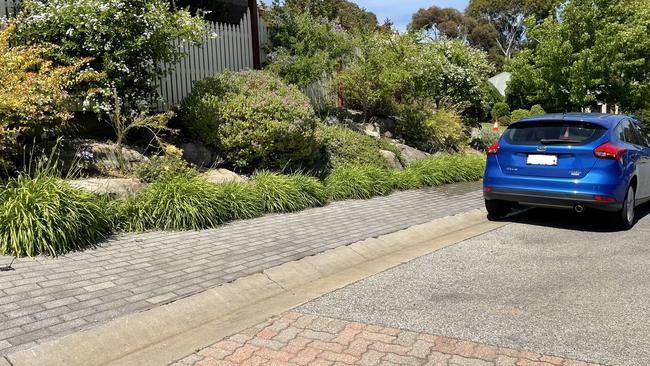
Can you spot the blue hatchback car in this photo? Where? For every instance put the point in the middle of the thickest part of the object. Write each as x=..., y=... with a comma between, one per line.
x=570, y=161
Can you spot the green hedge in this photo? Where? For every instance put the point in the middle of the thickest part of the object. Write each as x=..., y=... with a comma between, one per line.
x=45, y=215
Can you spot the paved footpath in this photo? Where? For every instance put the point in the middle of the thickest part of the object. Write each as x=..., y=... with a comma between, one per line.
x=295, y=338
x=47, y=298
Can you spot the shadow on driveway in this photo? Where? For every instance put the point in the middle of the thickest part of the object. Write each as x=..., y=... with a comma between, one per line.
x=590, y=220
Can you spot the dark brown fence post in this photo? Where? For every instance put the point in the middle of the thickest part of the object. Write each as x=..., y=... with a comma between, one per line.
x=255, y=34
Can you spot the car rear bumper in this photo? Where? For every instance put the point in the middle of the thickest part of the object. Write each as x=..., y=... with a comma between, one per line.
x=564, y=200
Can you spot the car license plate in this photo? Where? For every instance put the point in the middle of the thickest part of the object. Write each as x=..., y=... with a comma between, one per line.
x=542, y=160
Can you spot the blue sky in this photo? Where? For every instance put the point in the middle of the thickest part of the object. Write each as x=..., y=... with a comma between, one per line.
x=400, y=11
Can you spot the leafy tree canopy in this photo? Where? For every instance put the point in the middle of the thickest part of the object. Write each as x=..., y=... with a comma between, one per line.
x=452, y=24
x=305, y=48
x=592, y=51
x=507, y=17
x=346, y=13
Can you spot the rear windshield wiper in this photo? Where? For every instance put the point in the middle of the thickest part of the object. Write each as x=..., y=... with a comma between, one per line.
x=558, y=141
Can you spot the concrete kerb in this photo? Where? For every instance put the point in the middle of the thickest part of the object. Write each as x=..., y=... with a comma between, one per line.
x=172, y=331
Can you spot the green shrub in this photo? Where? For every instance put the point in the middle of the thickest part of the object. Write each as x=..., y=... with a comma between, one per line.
x=253, y=119
x=485, y=139
x=518, y=114
x=431, y=130
x=448, y=132
x=449, y=73
x=410, y=124
x=537, y=110
x=344, y=146
x=304, y=47
x=288, y=193
x=163, y=167
x=45, y=215
x=504, y=121
x=358, y=182
x=378, y=72
x=499, y=110
x=177, y=203
x=33, y=96
x=446, y=169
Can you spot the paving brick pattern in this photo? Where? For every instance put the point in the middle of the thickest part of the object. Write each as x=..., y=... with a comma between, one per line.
x=303, y=339
x=47, y=298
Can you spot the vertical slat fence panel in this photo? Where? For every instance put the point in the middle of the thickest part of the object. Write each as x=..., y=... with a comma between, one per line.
x=8, y=8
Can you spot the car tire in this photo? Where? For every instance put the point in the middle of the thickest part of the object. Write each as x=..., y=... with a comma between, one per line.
x=497, y=209
x=627, y=216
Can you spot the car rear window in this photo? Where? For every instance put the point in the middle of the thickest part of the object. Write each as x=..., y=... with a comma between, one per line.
x=553, y=133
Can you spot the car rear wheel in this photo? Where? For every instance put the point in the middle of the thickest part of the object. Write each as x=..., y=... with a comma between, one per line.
x=627, y=216
x=497, y=209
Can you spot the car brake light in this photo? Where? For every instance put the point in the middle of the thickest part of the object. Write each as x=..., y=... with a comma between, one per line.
x=494, y=149
x=605, y=199
x=609, y=151
x=488, y=189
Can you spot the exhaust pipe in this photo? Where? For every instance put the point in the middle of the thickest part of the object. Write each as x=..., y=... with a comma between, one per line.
x=578, y=209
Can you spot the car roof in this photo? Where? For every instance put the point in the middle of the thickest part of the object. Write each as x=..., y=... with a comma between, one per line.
x=602, y=119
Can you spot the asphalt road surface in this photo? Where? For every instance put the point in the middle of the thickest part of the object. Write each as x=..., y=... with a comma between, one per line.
x=551, y=282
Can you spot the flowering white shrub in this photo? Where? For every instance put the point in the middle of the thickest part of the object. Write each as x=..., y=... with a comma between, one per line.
x=128, y=41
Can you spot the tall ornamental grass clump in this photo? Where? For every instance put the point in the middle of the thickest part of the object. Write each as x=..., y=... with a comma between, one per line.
x=288, y=193
x=446, y=169
x=42, y=214
x=241, y=200
x=358, y=182
x=407, y=179
x=184, y=202
x=177, y=203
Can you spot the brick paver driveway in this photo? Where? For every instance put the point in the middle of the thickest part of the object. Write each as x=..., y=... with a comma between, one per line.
x=47, y=298
x=302, y=339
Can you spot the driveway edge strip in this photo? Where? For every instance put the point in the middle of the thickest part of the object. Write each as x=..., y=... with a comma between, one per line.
x=169, y=332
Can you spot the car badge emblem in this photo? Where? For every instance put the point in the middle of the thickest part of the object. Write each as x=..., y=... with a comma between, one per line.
x=541, y=148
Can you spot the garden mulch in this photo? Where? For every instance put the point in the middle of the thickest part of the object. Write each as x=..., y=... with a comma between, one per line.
x=44, y=298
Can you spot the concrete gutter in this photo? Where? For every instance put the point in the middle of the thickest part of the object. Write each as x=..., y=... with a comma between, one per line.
x=164, y=334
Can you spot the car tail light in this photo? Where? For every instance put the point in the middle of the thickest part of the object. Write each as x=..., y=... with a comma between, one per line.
x=605, y=199
x=487, y=189
x=609, y=151
x=494, y=149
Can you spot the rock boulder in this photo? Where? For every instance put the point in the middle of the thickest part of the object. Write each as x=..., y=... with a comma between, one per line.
x=410, y=154
x=222, y=176
x=117, y=187
x=104, y=156
x=392, y=159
